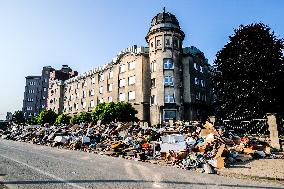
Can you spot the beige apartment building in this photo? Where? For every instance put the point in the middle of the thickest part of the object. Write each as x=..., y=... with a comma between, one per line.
x=163, y=81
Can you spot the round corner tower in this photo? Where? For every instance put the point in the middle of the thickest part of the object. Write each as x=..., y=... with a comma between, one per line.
x=165, y=39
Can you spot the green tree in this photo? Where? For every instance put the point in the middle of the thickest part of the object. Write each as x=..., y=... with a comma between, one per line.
x=46, y=116
x=107, y=112
x=75, y=119
x=249, y=74
x=97, y=113
x=62, y=119
x=84, y=117
x=18, y=117
x=126, y=112
x=32, y=121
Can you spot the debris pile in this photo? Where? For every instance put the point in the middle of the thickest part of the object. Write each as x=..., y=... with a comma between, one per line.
x=188, y=145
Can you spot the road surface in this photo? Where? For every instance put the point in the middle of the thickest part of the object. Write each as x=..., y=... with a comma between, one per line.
x=25, y=165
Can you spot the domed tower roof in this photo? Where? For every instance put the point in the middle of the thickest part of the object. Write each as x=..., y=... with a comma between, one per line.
x=165, y=17
x=164, y=21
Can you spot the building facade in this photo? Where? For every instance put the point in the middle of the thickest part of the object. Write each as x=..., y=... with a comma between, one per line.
x=36, y=89
x=163, y=81
x=9, y=116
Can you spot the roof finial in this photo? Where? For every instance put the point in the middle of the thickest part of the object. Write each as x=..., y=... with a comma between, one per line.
x=164, y=9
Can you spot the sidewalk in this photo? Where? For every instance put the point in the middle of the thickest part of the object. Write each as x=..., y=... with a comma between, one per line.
x=264, y=169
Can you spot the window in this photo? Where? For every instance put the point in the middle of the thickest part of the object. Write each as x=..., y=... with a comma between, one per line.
x=168, y=63
x=121, y=97
x=109, y=87
x=131, y=65
x=169, y=98
x=101, y=100
x=31, y=91
x=201, y=69
x=93, y=80
x=44, y=88
x=203, y=97
x=29, y=108
x=109, y=99
x=195, y=66
x=153, y=82
x=170, y=114
x=76, y=106
x=83, y=105
x=122, y=68
x=43, y=97
x=92, y=103
x=101, y=89
x=84, y=84
x=30, y=99
x=175, y=43
x=158, y=42
x=197, y=95
x=131, y=80
x=101, y=77
x=121, y=82
x=196, y=81
x=45, y=80
x=168, y=81
x=198, y=112
x=43, y=106
x=152, y=45
x=153, y=99
x=167, y=42
x=84, y=94
x=78, y=86
x=202, y=82
x=92, y=92
x=110, y=75
x=131, y=95
x=32, y=83
x=153, y=67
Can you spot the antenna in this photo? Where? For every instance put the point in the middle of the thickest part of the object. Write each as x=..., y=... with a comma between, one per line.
x=164, y=9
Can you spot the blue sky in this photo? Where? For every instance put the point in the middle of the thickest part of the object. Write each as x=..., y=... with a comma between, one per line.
x=88, y=33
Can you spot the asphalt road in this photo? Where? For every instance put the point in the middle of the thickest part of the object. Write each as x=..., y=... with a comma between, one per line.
x=25, y=165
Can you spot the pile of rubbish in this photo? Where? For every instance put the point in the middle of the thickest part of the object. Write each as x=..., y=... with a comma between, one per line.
x=187, y=145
